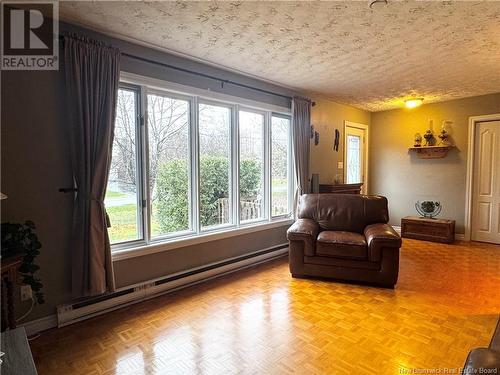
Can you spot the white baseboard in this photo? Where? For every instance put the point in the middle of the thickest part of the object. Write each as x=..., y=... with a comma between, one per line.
x=72, y=313
x=458, y=236
x=147, y=290
x=39, y=325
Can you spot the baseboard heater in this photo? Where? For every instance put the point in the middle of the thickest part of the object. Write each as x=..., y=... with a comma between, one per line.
x=71, y=313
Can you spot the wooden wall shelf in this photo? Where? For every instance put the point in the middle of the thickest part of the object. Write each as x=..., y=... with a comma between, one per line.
x=431, y=152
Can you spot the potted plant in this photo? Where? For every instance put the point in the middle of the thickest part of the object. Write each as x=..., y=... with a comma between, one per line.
x=21, y=239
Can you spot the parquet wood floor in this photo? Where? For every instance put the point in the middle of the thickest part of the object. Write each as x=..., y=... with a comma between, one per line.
x=261, y=321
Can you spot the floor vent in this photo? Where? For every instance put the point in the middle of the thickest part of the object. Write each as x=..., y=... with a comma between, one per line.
x=81, y=310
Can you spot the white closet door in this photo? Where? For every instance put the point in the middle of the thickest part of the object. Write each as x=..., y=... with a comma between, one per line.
x=486, y=186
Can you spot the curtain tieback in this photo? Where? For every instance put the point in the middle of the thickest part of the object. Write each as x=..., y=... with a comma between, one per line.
x=93, y=198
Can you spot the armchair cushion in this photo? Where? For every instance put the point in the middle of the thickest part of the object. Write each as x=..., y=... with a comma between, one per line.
x=304, y=230
x=339, y=244
x=379, y=236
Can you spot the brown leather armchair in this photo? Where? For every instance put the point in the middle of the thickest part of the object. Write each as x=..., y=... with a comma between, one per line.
x=485, y=360
x=345, y=237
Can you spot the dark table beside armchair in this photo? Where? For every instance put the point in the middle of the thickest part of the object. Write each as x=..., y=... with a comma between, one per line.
x=344, y=237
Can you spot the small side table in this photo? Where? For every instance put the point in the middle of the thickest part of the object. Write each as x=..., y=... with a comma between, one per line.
x=9, y=268
x=422, y=228
x=17, y=359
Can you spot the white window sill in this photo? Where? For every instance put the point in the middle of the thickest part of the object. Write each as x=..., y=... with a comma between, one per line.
x=175, y=243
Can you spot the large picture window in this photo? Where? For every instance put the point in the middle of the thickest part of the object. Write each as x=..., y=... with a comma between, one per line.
x=184, y=165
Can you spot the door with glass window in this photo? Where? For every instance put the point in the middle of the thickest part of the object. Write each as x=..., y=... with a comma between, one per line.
x=355, y=155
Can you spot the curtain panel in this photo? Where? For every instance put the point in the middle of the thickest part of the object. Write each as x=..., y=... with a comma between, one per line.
x=301, y=130
x=92, y=76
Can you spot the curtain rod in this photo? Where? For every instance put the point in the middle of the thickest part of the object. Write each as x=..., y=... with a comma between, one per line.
x=221, y=80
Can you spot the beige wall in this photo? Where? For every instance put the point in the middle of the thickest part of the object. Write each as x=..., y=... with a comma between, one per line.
x=327, y=116
x=402, y=177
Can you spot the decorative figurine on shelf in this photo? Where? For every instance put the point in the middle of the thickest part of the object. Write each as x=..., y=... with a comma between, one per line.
x=418, y=140
x=443, y=136
x=429, y=138
x=428, y=209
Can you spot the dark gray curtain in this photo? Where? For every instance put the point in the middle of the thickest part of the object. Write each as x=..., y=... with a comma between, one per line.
x=92, y=77
x=301, y=131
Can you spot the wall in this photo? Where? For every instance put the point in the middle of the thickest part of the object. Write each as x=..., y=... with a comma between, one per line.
x=402, y=177
x=36, y=163
x=172, y=261
x=326, y=116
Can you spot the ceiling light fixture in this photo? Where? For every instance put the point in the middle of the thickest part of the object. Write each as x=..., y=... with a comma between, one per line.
x=414, y=102
x=378, y=3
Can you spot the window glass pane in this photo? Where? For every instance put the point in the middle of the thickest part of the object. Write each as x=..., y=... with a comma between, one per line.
x=121, y=193
x=251, y=129
x=169, y=181
x=353, y=159
x=280, y=158
x=215, y=165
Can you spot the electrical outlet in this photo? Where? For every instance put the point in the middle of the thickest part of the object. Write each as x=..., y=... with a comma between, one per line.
x=26, y=293
x=340, y=165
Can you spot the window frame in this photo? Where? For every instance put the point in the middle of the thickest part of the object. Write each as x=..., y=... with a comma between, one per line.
x=195, y=97
x=232, y=173
x=141, y=215
x=291, y=167
x=148, y=195
x=265, y=135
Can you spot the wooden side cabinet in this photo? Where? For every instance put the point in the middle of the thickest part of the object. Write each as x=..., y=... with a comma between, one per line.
x=421, y=228
x=341, y=189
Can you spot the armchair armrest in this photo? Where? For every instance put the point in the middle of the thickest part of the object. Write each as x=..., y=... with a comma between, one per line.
x=379, y=236
x=484, y=359
x=304, y=230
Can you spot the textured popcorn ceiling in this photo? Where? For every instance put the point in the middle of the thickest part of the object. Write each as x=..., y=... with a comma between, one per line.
x=372, y=59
